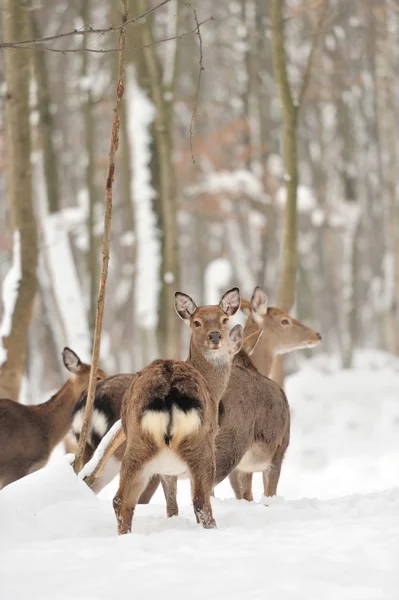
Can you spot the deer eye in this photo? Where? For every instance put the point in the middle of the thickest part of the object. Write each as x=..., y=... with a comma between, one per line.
x=197, y=324
x=285, y=322
x=225, y=321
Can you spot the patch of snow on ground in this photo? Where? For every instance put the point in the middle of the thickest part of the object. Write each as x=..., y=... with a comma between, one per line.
x=59, y=540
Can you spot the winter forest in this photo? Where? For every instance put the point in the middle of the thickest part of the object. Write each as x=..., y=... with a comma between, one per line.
x=257, y=147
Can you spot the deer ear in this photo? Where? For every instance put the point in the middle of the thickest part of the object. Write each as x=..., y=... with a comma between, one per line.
x=236, y=337
x=259, y=301
x=71, y=360
x=251, y=341
x=230, y=301
x=184, y=306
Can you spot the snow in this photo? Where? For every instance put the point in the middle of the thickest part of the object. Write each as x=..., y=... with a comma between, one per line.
x=59, y=540
x=10, y=293
x=305, y=199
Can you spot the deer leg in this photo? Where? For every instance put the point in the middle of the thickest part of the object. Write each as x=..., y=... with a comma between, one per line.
x=150, y=490
x=271, y=480
x=245, y=480
x=169, y=486
x=202, y=470
x=235, y=484
x=132, y=482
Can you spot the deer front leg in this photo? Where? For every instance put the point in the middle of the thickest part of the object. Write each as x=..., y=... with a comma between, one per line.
x=150, y=490
x=235, y=484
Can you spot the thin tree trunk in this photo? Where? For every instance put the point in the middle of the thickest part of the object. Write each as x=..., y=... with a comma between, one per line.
x=89, y=132
x=19, y=193
x=168, y=329
x=114, y=143
x=46, y=124
x=290, y=110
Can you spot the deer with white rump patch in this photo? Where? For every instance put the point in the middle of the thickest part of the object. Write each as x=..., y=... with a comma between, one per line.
x=28, y=434
x=170, y=413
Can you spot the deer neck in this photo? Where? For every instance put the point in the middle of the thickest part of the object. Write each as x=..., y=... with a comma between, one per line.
x=216, y=372
x=264, y=353
x=56, y=413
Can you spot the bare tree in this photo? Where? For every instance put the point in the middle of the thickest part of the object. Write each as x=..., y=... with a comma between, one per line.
x=19, y=193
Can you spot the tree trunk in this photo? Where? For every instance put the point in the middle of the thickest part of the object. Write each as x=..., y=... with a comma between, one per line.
x=19, y=193
x=89, y=133
x=290, y=110
x=162, y=97
x=46, y=124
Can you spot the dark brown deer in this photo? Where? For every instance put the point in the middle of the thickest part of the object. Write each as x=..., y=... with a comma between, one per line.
x=28, y=434
x=170, y=413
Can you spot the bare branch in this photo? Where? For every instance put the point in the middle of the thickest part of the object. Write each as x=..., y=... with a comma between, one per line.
x=114, y=143
x=198, y=30
x=84, y=30
x=102, y=51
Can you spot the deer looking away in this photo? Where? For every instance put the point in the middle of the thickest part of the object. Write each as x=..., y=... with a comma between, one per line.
x=170, y=413
x=28, y=434
x=281, y=333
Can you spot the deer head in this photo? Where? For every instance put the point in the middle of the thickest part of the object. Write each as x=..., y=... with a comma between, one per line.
x=79, y=372
x=280, y=331
x=210, y=325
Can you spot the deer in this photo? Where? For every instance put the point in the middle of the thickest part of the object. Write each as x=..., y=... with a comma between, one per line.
x=282, y=333
x=28, y=434
x=286, y=337
x=106, y=412
x=170, y=412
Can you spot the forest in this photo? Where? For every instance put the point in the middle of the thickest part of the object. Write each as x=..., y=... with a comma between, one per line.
x=234, y=162
x=257, y=147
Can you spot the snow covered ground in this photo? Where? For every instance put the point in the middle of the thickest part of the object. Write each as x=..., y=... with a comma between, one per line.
x=333, y=533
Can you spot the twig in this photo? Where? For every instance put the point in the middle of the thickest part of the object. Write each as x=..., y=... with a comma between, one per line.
x=199, y=79
x=86, y=30
x=114, y=143
x=102, y=51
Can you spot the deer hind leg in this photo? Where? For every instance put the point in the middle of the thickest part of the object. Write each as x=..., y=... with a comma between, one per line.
x=202, y=470
x=133, y=480
x=235, y=484
x=271, y=475
x=150, y=490
x=245, y=480
x=169, y=486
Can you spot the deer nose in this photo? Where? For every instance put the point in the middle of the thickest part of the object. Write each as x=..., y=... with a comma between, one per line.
x=318, y=335
x=215, y=337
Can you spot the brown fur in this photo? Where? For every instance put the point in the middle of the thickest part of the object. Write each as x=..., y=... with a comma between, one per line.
x=28, y=434
x=170, y=413
x=278, y=336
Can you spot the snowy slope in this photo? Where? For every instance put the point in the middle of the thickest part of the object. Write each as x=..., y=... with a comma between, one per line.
x=58, y=540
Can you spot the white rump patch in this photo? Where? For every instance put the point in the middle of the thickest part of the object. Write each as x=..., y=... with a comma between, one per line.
x=77, y=422
x=184, y=423
x=99, y=423
x=156, y=424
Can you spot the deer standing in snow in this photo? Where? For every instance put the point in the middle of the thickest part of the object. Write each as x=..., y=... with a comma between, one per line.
x=170, y=413
x=28, y=434
x=254, y=429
